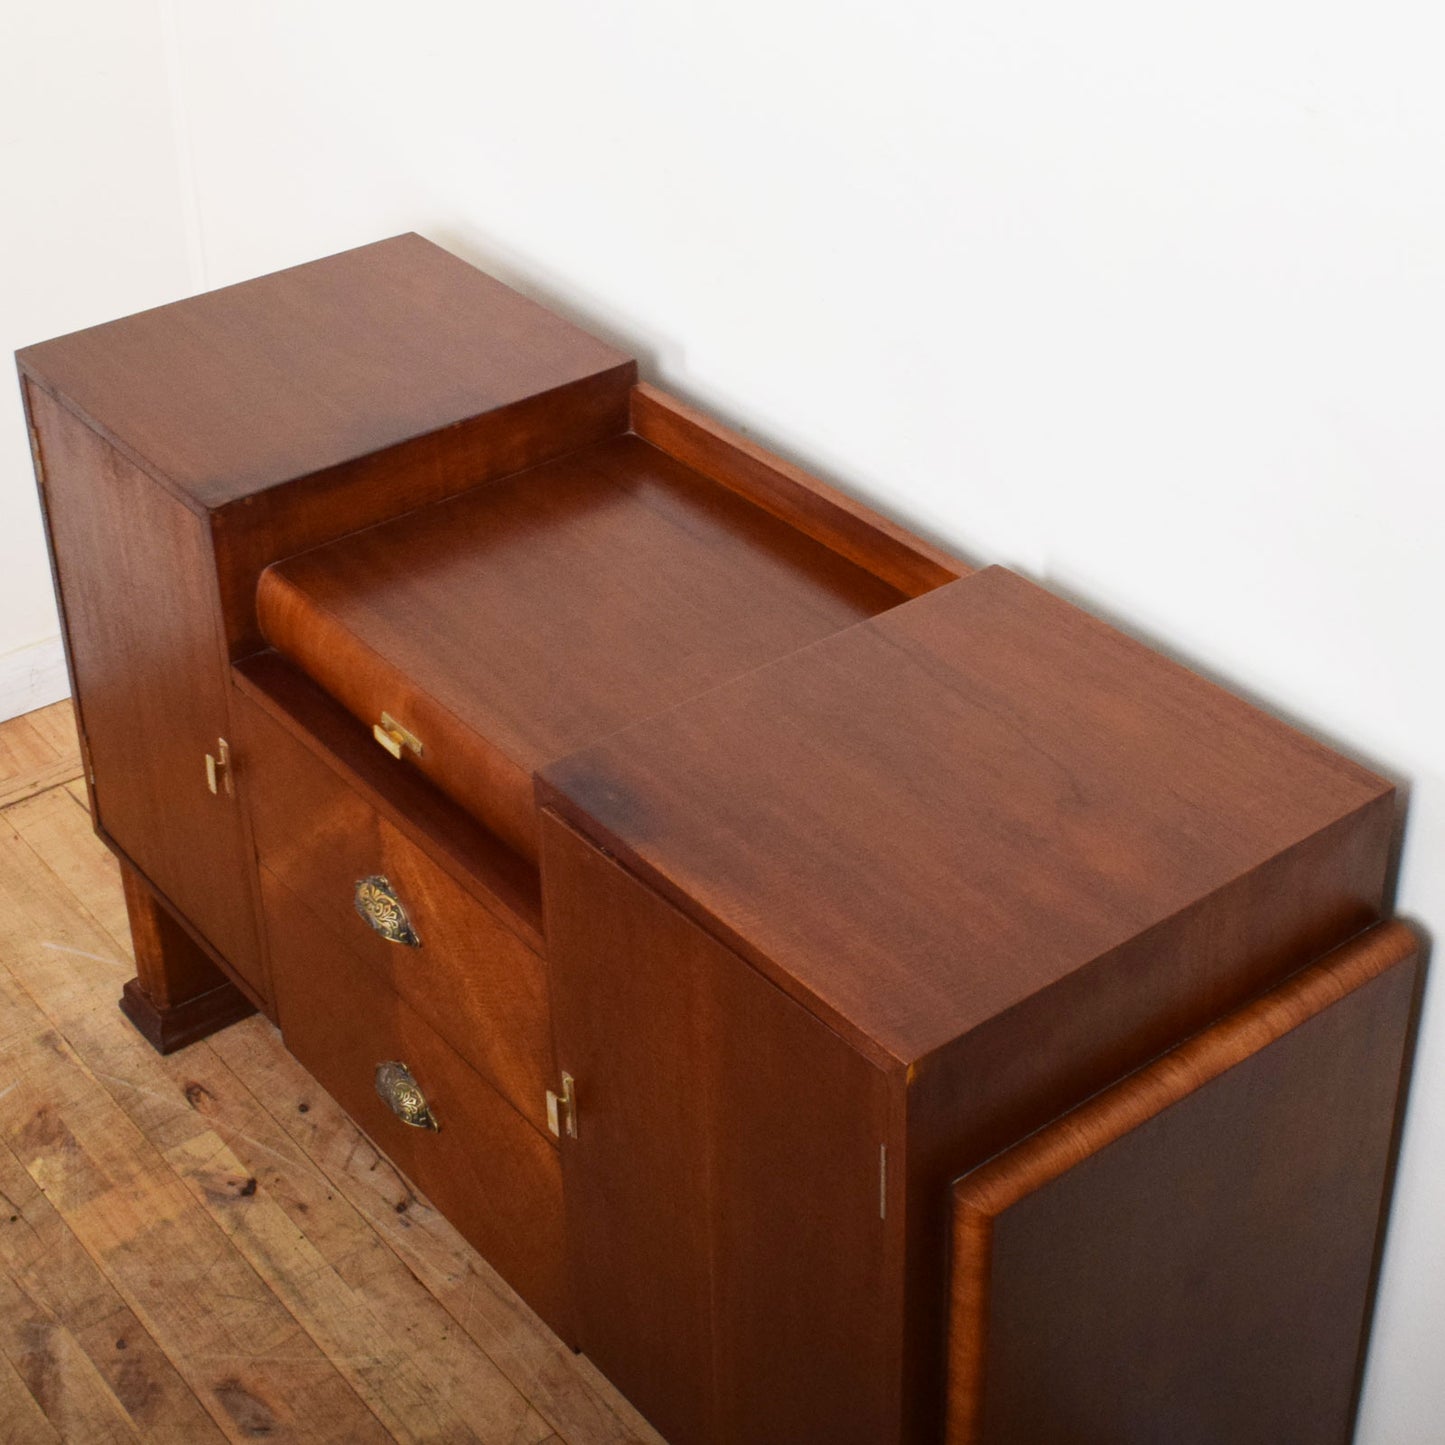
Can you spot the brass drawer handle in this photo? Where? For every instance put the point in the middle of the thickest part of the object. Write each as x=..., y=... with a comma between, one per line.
x=394, y=738
x=377, y=903
x=218, y=769
x=403, y=1096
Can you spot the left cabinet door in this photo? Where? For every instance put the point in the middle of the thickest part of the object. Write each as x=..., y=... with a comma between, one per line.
x=136, y=580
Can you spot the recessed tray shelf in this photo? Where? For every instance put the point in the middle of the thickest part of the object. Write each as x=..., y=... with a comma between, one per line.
x=513, y=624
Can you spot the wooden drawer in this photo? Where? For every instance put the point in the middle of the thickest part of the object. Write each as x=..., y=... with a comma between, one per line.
x=470, y=976
x=485, y=1167
x=522, y=620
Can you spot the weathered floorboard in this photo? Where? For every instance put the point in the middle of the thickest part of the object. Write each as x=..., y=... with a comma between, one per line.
x=38, y=751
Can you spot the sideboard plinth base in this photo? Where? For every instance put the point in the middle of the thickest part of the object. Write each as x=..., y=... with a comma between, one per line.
x=169, y=1029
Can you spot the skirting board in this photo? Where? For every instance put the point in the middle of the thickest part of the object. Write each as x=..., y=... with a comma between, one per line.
x=32, y=677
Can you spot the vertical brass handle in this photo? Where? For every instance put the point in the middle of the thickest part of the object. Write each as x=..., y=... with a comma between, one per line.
x=403, y=1096
x=218, y=769
x=562, y=1108
x=394, y=738
x=377, y=903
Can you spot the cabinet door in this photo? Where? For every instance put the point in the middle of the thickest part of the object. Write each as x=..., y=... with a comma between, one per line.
x=137, y=591
x=730, y=1255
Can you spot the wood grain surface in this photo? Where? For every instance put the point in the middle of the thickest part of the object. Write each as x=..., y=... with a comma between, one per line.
x=136, y=583
x=39, y=750
x=514, y=624
x=496, y=876
x=471, y=977
x=1188, y=1255
x=921, y=822
x=735, y=1269
x=840, y=522
x=178, y=994
x=1004, y=851
x=861, y=868
x=227, y=394
x=493, y=1173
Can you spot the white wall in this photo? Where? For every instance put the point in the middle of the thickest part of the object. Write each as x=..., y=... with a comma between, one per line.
x=90, y=228
x=1146, y=300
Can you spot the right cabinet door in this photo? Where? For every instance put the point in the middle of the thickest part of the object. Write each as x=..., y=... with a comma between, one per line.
x=732, y=1262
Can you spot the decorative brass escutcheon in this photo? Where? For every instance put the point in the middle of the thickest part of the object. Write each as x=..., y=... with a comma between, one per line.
x=403, y=1096
x=378, y=904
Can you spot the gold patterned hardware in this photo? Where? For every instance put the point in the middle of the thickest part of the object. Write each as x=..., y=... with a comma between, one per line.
x=403, y=1096
x=378, y=904
x=393, y=737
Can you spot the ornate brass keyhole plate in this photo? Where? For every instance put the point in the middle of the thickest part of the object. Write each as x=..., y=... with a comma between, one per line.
x=377, y=903
x=403, y=1096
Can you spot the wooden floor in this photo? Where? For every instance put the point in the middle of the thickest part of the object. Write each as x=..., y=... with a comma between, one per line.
x=203, y=1247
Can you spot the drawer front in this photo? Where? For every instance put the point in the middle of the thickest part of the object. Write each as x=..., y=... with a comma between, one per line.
x=484, y=1167
x=469, y=976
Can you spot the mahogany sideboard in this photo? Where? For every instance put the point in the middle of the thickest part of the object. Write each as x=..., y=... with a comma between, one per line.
x=854, y=997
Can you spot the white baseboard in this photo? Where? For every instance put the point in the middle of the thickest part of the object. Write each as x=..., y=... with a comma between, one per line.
x=32, y=677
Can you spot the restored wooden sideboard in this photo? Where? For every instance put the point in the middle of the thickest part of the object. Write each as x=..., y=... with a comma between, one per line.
x=854, y=997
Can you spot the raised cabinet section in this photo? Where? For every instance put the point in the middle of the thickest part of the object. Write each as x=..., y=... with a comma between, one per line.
x=182, y=450
x=729, y=1230
x=137, y=586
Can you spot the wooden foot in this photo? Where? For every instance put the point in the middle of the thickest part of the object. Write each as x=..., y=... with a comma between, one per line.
x=178, y=994
x=169, y=1029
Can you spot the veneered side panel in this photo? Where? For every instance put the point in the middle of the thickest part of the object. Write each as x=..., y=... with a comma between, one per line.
x=138, y=589
x=1188, y=1256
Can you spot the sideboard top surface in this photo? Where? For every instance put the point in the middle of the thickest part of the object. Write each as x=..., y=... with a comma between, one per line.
x=920, y=822
x=232, y=392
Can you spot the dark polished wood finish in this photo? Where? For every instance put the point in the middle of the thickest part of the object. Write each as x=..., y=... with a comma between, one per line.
x=133, y=571
x=301, y=406
x=1002, y=851
x=178, y=994
x=182, y=450
x=512, y=625
x=471, y=977
x=950, y=810
x=706, y=1097
x=499, y=879
x=311, y=368
x=840, y=522
x=858, y=867
x=255, y=531
x=1224, y=1300
x=494, y=1175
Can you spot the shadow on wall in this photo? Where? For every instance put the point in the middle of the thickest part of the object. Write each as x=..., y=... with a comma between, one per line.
x=1402, y=783
x=660, y=360
x=1061, y=587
